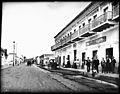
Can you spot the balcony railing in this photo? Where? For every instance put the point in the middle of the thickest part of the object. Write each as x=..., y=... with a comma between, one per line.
x=58, y=45
x=53, y=47
x=68, y=39
x=86, y=28
x=63, y=42
x=75, y=35
x=115, y=10
x=101, y=19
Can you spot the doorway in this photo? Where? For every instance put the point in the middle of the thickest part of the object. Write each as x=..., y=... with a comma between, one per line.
x=109, y=52
x=68, y=57
x=64, y=59
x=75, y=53
x=83, y=56
x=94, y=53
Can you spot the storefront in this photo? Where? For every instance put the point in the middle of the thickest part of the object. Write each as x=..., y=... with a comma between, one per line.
x=102, y=44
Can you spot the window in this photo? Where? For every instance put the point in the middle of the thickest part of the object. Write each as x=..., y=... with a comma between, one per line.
x=74, y=30
x=105, y=10
x=89, y=20
x=79, y=26
x=83, y=24
x=95, y=16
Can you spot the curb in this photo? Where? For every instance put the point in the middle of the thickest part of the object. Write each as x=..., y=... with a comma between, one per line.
x=99, y=81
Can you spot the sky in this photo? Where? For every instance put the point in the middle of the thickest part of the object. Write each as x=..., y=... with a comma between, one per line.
x=33, y=25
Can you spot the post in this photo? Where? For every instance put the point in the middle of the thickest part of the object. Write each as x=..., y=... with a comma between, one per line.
x=13, y=53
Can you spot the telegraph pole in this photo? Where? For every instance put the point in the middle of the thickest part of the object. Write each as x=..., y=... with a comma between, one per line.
x=13, y=53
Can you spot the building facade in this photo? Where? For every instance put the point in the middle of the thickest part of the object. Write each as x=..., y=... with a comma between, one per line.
x=4, y=57
x=93, y=32
x=44, y=59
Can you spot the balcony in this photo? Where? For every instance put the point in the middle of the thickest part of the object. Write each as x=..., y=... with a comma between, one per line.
x=116, y=12
x=85, y=31
x=58, y=45
x=75, y=36
x=63, y=41
x=102, y=22
x=53, y=48
x=68, y=40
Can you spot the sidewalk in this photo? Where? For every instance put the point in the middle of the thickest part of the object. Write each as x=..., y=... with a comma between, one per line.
x=99, y=74
x=109, y=78
x=5, y=66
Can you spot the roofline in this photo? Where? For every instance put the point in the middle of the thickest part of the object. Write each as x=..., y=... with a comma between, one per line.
x=75, y=18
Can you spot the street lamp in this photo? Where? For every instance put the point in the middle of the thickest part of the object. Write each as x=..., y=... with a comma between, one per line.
x=13, y=52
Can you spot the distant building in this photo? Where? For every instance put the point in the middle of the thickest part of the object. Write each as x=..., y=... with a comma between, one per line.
x=37, y=58
x=44, y=59
x=93, y=32
x=4, y=56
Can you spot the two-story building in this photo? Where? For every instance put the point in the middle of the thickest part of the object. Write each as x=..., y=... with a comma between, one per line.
x=93, y=32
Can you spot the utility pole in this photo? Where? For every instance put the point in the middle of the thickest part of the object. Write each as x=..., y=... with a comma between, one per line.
x=13, y=53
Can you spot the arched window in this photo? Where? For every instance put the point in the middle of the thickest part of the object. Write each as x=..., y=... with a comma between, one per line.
x=83, y=24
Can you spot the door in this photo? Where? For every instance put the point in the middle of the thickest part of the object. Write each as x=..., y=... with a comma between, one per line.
x=75, y=53
x=83, y=56
x=59, y=60
x=109, y=52
x=68, y=57
x=94, y=53
x=63, y=60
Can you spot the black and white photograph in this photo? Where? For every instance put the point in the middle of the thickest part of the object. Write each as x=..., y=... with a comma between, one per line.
x=60, y=47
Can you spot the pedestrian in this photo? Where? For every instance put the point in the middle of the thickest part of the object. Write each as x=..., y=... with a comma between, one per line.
x=68, y=64
x=113, y=61
x=88, y=62
x=83, y=64
x=103, y=65
x=93, y=63
x=96, y=64
x=108, y=64
x=74, y=65
x=63, y=64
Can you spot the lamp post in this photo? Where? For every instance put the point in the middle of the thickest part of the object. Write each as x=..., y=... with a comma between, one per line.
x=13, y=53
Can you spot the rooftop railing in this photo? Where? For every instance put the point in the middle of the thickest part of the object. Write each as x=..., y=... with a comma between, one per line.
x=75, y=35
x=68, y=39
x=84, y=29
x=101, y=19
x=115, y=10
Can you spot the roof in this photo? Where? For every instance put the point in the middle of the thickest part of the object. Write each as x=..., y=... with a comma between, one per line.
x=75, y=18
x=46, y=55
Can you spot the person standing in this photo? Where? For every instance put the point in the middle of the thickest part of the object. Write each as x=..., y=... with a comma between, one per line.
x=88, y=64
x=113, y=61
x=93, y=64
x=108, y=65
x=97, y=64
x=103, y=64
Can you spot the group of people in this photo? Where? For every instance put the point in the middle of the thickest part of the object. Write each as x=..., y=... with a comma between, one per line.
x=108, y=65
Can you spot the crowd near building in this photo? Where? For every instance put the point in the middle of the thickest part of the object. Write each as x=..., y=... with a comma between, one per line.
x=93, y=33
